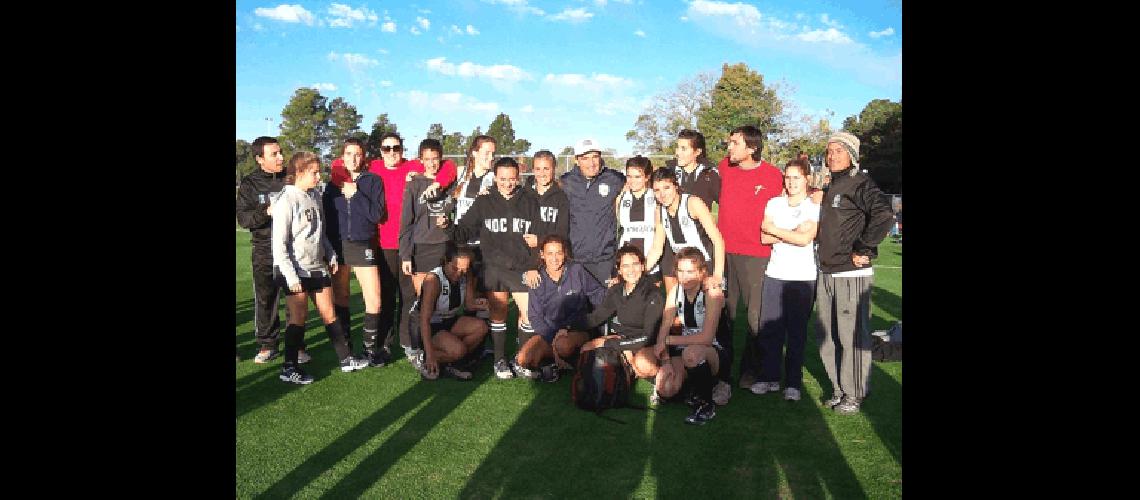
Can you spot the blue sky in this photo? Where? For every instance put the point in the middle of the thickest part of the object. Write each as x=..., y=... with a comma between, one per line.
x=562, y=69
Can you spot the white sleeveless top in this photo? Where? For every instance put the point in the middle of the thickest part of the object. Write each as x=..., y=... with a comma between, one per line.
x=637, y=232
x=694, y=235
x=678, y=300
x=443, y=303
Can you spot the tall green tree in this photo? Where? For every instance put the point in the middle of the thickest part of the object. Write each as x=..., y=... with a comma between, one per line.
x=453, y=144
x=435, y=131
x=344, y=122
x=504, y=133
x=304, y=123
x=244, y=160
x=739, y=98
x=879, y=129
x=379, y=128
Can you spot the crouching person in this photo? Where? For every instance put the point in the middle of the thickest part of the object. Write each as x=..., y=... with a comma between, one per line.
x=635, y=304
x=453, y=337
x=693, y=353
x=562, y=299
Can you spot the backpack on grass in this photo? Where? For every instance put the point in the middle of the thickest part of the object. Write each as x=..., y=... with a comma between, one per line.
x=887, y=345
x=601, y=381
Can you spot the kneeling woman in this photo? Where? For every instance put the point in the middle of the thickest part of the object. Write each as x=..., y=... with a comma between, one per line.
x=559, y=301
x=636, y=302
x=302, y=256
x=695, y=353
x=452, y=336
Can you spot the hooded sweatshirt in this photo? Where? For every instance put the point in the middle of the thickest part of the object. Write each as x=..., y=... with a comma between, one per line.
x=417, y=227
x=500, y=224
x=300, y=246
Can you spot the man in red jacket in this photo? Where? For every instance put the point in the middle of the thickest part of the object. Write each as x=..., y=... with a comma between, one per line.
x=747, y=183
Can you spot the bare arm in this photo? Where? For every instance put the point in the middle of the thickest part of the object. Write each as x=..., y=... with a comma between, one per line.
x=658, y=241
x=700, y=211
x=714, y=302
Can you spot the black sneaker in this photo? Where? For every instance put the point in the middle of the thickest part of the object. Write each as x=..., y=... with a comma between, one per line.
x=294, y=375
x=702, y=414
x=523, y=372
x=352, y=363
x=836, y=398
x=848, y=406
x=693, y=401
x=549, y=373
x=378, y=358
x=455, y=373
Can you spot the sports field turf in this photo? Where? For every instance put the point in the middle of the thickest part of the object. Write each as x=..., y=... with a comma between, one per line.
x=382, y=433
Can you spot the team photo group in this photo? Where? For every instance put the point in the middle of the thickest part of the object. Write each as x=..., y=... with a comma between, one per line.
x=617, y=272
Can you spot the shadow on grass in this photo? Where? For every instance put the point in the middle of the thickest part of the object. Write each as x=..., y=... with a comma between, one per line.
x=446, y=395
x=890, y=303
x=555, y=450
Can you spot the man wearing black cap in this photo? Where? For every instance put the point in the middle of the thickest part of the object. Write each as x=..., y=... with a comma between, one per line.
x=854, y=218
x=591, y=189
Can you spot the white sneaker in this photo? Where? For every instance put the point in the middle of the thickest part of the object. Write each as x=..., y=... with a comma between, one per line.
x=502, y=370
x=765, y=387
x=654, y=398
x=791, y=394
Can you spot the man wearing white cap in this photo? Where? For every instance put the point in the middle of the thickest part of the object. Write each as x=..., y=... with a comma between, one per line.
x=591, y=189
x=854, y=218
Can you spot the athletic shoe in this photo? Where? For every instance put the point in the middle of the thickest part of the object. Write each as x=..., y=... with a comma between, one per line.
x=303, y=357
x=378, y=358
x=265, y=356
x=415, y=358
x=549, y=374
x=693, y=401
x=455, y=373
x=765, y=387
x=352, y=363
x=522, y=371
x=835, y=399
x=421, y=366
x=791, y=394
x=294, y=375
x=722, y=393
x=654, y=398
x=702, y=414
x=747, y=379
x=847, y=406
x=502, y=370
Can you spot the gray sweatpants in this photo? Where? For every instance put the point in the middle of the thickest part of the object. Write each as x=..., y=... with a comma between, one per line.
x=844, y=308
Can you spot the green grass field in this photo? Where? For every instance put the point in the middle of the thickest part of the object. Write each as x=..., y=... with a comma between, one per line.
x=382, y=433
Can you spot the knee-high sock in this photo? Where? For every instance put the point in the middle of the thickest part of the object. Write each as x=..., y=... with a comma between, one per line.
x=336, y=337
x=499, y=336
x=294, y=335
x=344, y=317
x=702, y=380
x=371, y=332
x=525, y=333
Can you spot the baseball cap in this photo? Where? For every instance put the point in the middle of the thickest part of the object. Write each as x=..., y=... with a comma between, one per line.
x=585, y=146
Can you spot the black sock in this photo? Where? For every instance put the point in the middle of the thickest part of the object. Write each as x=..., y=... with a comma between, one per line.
x=344, y=317
x=336, y=337
x=294, y=334
x=371, y=332
x=702, y=378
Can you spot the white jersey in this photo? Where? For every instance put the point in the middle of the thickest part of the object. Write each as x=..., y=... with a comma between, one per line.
x=466, y=197
x=637, y=232
x=443, y=309
x=699, y=310
x=791, y=262
x=691, y=232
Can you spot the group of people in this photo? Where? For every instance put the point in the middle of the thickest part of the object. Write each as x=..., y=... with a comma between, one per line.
x=631, y=259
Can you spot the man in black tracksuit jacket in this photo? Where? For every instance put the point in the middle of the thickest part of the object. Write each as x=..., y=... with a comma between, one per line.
x=255, y=194
x=591, y=189
x=854, y=218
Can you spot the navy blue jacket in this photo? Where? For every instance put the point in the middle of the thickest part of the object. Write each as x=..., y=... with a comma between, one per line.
x=355, y=218
x=556, y=305
x=593, y=223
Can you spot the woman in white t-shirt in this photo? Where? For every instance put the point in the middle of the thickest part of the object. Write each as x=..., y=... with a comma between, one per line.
x=789, y=225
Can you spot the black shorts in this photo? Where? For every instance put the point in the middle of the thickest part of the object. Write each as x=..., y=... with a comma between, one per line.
x=447, y=324
x=721, y=354
x=498, y=279
x=427, y=256
x=358, y=253
x=308, y=284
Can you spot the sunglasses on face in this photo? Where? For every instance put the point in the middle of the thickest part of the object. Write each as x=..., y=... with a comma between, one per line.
x=389, y=149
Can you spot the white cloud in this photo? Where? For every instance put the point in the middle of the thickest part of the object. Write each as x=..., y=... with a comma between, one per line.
x=471, y=30
x=684, y=19
x=639, y=33
x=354, y=62
x=330, y=87
x=600, y=3
x=800, y=16
x=258, y=27
x=519, y=6
x=886, y=32
x=382, y=51
x=425, y=11
x=527, y=109
x=826, y=20
x=388, y=27
x=596, y=82
x=498, y=72
x=447, y=102
x=455, y=30
x=287, y=13
x=344, y=16
x=831, y=35
x=385, y=83
x=424, y=22
x=579, y=15
x=414, y=31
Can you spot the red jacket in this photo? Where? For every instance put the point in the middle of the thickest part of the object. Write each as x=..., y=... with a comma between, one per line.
x=743, y=196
